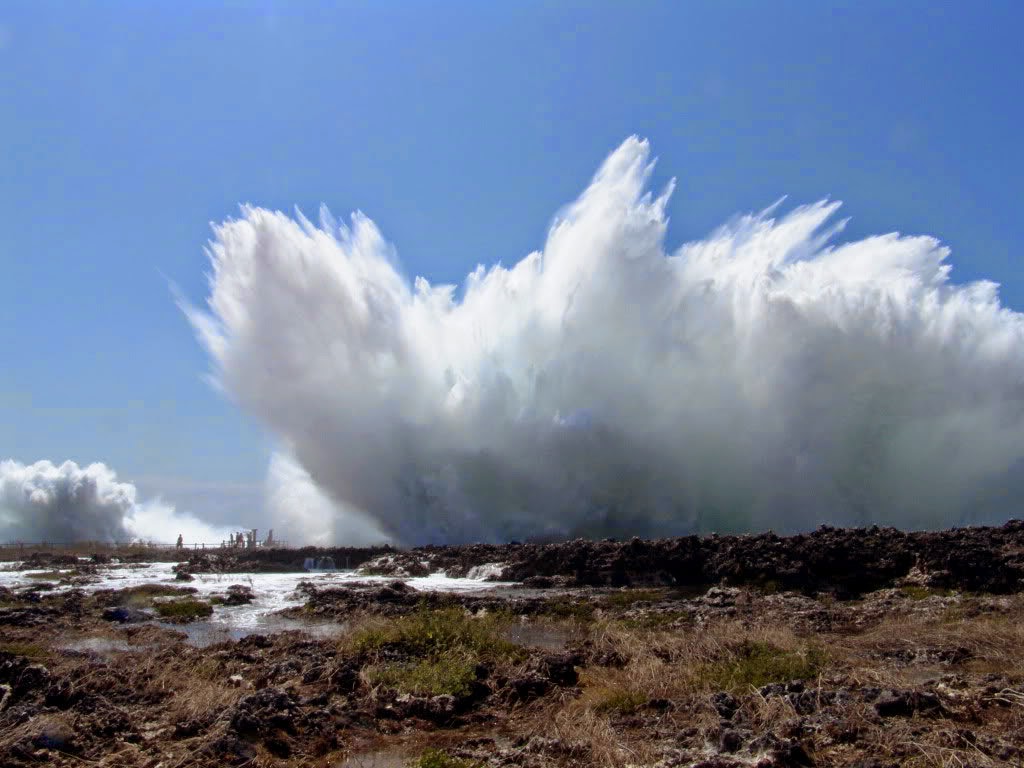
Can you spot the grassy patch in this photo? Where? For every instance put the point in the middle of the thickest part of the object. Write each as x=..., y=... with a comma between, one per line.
x=653, y=620
x=627, y=598
x=619, y=702
x=28, y=650
x=184, y=610
x=426, y=677
x=431, y=634
x=433, y=652
x=438, y=758
x=917, y=592
x=758, y=663
x=46, y=576
x=565, y=607
x=768, y=586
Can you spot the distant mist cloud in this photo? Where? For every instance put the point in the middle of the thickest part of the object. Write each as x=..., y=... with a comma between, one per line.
x=767, y=376
x=65, y=503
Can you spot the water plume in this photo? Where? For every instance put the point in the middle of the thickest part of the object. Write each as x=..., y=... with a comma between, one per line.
x=767, y=376
x=47, y=502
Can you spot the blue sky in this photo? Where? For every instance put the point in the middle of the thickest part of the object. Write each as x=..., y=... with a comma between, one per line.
x=460, y=128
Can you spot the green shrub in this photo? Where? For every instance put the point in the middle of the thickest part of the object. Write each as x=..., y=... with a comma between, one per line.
x=184, y=610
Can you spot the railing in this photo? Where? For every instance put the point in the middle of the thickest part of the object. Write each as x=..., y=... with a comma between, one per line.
x=103, y=546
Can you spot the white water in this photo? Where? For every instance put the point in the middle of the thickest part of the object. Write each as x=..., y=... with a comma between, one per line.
x=272, y=592
x=765, y=376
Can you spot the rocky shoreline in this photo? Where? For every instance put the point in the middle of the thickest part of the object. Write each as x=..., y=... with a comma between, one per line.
x=843, y=561
x=861, y=648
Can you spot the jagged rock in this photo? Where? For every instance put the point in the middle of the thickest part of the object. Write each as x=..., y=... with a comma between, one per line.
x=238, y=594
x=264, y=712
x=725, y=704
x=907, y=703
x=730, y=741
x=126, y=615
x=560, y=668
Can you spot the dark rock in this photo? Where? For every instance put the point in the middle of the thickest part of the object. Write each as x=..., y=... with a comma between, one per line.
x=57, y=736
x=228, y=749
x=238, y=594
x=725, y=704
x=791, y=754
x=730, y=741
x=264, y=712
x=560, y=668
x=907, y=703
x=526, y=688
x=538, y=582
x=125, y=615
x=344, y=677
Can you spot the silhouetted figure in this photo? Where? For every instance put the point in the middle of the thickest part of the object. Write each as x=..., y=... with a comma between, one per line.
x=181, y=542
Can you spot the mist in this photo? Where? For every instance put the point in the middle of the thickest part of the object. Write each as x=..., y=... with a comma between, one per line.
x=768, y=376
x=47, y=502
x=304, y=514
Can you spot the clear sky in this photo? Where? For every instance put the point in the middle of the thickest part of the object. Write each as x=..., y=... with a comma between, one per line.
x=460, y=128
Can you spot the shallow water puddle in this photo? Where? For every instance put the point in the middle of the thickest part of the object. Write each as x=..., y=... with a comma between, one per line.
x=204, y=633
x=99, y=646
x=392, y=757
x=544, y=636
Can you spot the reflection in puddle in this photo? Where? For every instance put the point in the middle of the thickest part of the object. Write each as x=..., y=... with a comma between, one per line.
x=204, y=633
x=545, y=636
x=396, y=757
x=98, y=646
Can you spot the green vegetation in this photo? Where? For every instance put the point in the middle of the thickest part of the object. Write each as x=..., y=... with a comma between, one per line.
x=653, y=620
x=768, y=586
x=184, y=610
x=47, y=575
x=759, y=663
x=28, y=650
x=566, y=607
x=620, y=702
x=433, y=633
x=427, y=677
x=437, y=758
x=917, y=592
x=438, y=650
x=627, y=598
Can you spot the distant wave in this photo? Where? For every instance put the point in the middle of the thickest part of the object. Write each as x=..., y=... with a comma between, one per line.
x=47, y=502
